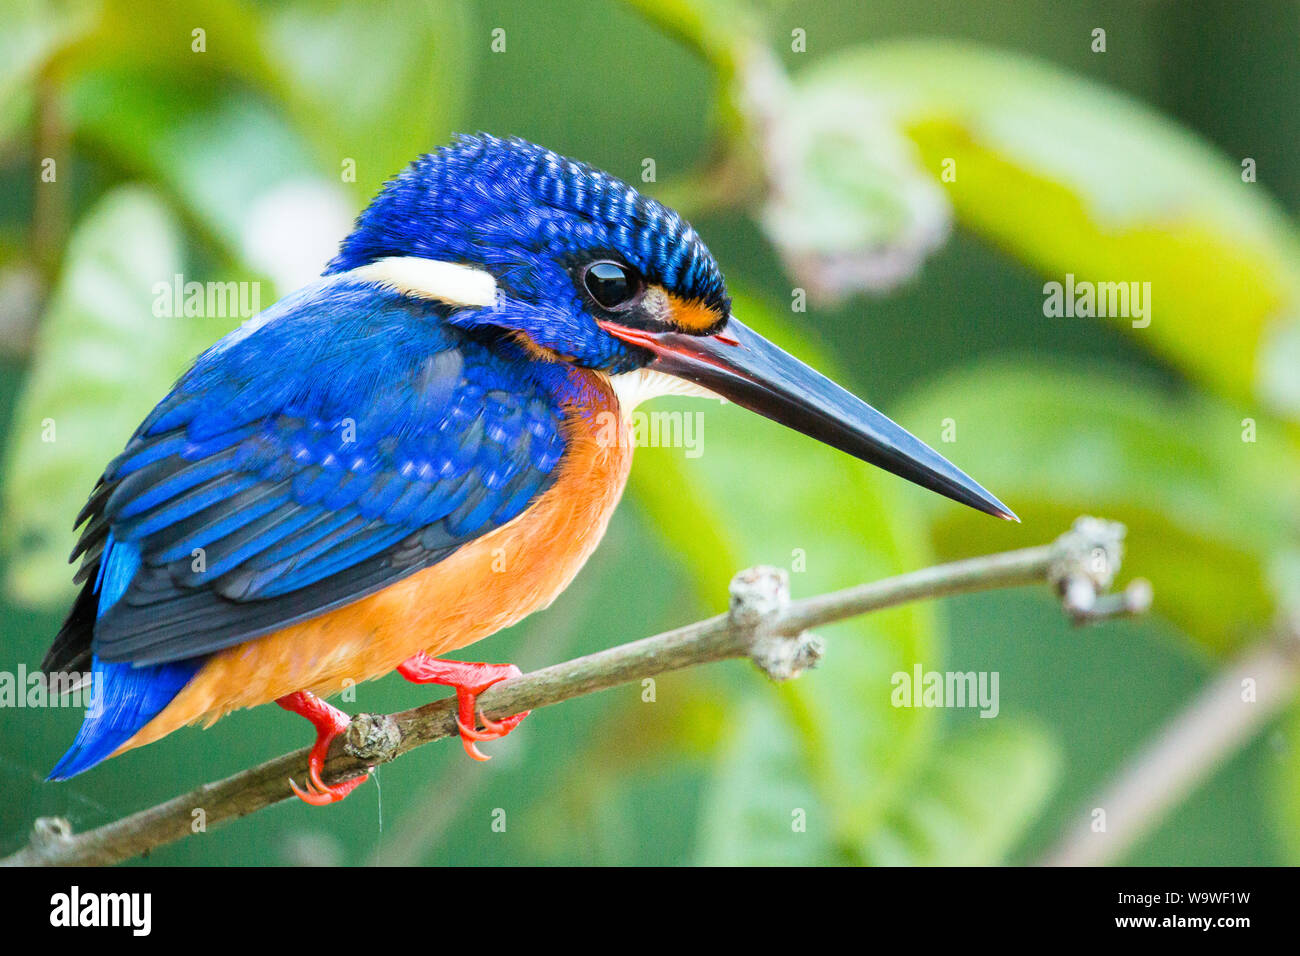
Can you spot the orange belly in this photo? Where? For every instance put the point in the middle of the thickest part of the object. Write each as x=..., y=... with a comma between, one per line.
x=483, y=587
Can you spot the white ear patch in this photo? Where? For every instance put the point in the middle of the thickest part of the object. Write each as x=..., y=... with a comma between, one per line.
x=643, y=384
x=448, y=282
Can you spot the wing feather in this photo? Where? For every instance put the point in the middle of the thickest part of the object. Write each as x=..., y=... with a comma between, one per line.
x=292, y=471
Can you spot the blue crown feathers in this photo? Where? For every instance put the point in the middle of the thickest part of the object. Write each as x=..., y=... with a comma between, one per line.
x=503, y=203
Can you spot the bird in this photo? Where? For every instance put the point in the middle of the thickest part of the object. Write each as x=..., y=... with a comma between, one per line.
x=329, y=492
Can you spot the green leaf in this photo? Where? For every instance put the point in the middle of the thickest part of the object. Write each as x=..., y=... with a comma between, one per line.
x=156, y=87
x=760, y=806
x=329, y=102
x=1105, y=189
x=102, y=359
x=34, y=29
x=979, y=791
x=724, y=32
x=1207, y=511
x=33, y=32
x=376, y=84
x=195, y=139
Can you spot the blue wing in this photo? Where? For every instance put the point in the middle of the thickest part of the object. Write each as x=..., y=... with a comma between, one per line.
x=342, y=443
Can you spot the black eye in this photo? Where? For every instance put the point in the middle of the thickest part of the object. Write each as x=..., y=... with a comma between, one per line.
x=612, y=285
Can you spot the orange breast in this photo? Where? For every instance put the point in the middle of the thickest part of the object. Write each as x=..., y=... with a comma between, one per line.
x=486, y=585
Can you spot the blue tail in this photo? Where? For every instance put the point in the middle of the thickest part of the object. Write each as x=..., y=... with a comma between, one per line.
x=125, y=697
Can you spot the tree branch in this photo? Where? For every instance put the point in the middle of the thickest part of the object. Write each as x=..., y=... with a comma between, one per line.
x=762, y=624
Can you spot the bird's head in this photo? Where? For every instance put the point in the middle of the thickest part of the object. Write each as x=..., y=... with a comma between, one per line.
x=577, y=266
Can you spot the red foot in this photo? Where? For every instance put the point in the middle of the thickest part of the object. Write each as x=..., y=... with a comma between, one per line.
x=329, y=723
x=469, y=680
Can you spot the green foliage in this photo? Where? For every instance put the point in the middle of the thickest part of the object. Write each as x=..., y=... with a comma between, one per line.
x=760, y=806
x=192, y=137
x=1108, y=190
x=971, y=801
x=102, y=360
x=375, y=83
x=1285, y=789
x=1207, y=512
x=29, y=38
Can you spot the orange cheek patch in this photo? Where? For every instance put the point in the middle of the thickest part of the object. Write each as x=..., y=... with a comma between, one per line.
x=693, y=316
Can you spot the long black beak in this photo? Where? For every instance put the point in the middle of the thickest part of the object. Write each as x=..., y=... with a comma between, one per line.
x=743, y=367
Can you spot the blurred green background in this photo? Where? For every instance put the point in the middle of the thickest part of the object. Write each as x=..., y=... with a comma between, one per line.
x=807, y=143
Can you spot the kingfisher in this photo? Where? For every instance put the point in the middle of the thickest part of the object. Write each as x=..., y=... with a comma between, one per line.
x=329, y=493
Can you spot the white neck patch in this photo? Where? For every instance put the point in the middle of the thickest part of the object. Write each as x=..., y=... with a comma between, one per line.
x=641, y=385
x=449, y=282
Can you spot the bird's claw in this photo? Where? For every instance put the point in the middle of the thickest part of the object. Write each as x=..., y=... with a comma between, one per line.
x=319, y=793
x=492, y=730
x=469, y=680
x=329, y=723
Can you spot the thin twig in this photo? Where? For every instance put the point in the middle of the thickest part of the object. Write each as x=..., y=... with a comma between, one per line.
x=762, y=624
